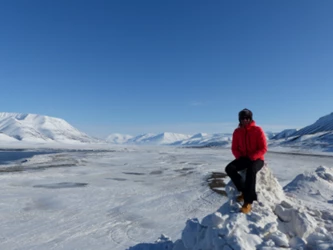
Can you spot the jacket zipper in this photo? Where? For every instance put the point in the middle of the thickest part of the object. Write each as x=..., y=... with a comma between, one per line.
x=246, y=141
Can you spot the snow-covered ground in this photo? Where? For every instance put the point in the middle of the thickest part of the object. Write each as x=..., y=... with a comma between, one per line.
x=131, y=195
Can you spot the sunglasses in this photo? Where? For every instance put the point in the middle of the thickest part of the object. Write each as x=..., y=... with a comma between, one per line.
x=245, y=118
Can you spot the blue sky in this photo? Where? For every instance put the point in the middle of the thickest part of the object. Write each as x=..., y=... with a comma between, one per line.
x=178, y=66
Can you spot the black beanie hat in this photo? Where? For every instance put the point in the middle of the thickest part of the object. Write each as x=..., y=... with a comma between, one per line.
x=245, y=113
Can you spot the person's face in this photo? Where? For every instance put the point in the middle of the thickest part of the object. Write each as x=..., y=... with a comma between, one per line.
x=245, y=120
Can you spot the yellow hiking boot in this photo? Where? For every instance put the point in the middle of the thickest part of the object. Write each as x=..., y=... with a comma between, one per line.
x=246, y=208
x=240, y=198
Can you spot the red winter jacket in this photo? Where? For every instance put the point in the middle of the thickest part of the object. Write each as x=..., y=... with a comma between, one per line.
x=249, y=141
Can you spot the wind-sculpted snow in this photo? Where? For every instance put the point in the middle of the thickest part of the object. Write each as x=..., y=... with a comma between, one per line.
x=315, y=188
x=277, y=221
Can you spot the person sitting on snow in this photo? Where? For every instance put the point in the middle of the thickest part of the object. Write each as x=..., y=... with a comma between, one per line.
x=249, y=147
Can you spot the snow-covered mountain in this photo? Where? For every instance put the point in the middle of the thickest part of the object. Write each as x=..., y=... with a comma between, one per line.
x=39, y=129
x=270, y=135
x=323, y=124
x=318, y=135
x=206, y=140
x=6, y=138
x=284, y=134
x=140, y=139
x=165, y=138
x=118, y=138
x=174, y=139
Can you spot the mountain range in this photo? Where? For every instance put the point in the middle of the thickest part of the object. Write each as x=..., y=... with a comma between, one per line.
x=318, y=135
x=33, y=128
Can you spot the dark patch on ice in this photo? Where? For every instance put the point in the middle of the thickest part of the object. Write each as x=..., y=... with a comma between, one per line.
x=186, y=173
x=19, y=168
x=11, y=169
x=216, y=182
x=7, y=155
x=116, y=179
x=138, y=181
x=133, y=173
x=330, y=202
x=218, y=175
x=183, y=169
x=43, y=203
x=195, y=163
x=52, y=166
x=61, y=185
x=221, y=192
x=162, y=243
x=156, y=172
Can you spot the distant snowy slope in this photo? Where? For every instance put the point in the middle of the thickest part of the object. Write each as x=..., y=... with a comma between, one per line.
x=203, y=139
x=159, y=139
x=141, y=139
x=118, y=138
x=7, y=138
x=173, y=139
x=318, y=136
x=284, y=134
x=269, y=134
x=323, y=124
x=39, y=128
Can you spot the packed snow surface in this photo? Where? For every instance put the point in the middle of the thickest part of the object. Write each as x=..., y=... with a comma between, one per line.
x=158, y=198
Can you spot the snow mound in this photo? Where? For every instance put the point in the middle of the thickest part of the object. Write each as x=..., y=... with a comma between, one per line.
x=275, y=222
x=313, y=187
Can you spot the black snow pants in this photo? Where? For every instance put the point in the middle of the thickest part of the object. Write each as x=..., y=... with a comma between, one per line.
x=248, y=188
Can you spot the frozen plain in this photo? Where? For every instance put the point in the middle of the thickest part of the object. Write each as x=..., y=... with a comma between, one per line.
x=118, y=199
